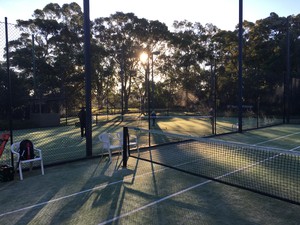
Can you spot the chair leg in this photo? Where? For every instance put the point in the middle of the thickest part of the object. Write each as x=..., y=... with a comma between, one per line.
x=42, y=167
x=20, y=171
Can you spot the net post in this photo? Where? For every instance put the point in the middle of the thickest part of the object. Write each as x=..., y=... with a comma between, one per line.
x=125, y=146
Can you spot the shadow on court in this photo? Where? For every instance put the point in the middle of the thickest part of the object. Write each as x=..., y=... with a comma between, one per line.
x=96, y=192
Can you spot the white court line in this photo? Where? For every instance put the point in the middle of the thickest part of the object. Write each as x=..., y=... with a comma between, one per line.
x=148, y=205
x=85, y=191
x=278, y=138
x=77, y=193
x=294, y=149
x=154, y=203
x=200, y=184
x=183, y=191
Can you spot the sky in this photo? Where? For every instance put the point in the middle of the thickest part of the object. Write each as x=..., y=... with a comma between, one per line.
x=222, y=13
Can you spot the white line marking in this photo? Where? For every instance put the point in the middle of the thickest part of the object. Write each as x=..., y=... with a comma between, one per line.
x=278, y=138
x=184, y=190
x=152, y=203
x=76, y=193
x=200, y=184
x=294, y=149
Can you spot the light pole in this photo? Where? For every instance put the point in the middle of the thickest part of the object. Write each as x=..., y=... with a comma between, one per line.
x=144, y=57
x=122, y=81
x=215, y=98
x=148, y=93
x=287, y=84
x=152, y=77
x=240, y=66
x=213, y=95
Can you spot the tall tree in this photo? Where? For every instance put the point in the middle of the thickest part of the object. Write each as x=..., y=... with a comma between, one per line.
x=124, y=36
x=57, y=50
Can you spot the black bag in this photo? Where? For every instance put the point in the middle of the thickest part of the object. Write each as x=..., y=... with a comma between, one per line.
x=26, y=150
x=6, y=173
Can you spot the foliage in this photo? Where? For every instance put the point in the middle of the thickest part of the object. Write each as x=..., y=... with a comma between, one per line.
x=195, y=63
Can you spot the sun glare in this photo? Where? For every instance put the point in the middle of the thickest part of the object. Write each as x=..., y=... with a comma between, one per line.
x=144, y=57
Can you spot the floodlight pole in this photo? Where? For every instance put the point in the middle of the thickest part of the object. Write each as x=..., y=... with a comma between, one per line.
x=215, y=98
x=287, y=85
x=240, y=77
x=152, y=81
x=122, y=83
x=148, y=95
x=152, y=78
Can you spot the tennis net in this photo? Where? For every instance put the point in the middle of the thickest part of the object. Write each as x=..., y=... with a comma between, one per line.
x=268, y=171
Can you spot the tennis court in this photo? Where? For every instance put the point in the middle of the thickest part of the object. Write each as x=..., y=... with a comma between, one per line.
x=96, y=192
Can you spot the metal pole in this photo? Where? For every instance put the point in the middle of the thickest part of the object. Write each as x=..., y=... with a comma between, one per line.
x=152, y=70
x=215, y=97
x=148, y=94
x=240, y=77
x=107, y=99
x=87, y=60
x=122, y=83
x=212, y=98
x=211, y=84
x=152, y=80
x=125, y=149
x=257, y=114
x=33, y=65
x=288, y=72
x=9, y=90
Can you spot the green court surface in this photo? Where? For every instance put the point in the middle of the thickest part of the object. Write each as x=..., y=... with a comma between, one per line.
x=282, y=136
x=94, y=192
x=97, y=192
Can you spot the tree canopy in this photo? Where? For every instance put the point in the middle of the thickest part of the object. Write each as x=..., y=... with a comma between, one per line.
x=195, y=61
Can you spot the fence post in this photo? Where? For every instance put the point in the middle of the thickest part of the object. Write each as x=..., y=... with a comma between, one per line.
x=125, y=146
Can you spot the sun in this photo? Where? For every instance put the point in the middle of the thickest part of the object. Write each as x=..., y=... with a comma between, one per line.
x=144, y=57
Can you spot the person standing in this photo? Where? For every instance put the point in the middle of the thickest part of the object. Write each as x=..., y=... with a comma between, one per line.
x=82, y=118
x=153, y=116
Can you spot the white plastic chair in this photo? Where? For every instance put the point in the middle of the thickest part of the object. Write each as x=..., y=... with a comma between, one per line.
x=15, y=148
x=108, y=140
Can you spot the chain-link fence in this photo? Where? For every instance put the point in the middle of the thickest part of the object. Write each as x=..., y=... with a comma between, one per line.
x=32, y=108
x=28, y=114
x=44, y=89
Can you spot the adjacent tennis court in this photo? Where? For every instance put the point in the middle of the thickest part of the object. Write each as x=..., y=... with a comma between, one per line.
x=96, y=192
